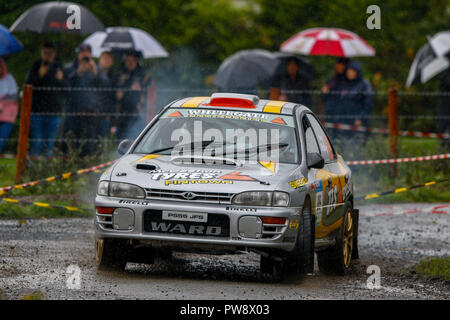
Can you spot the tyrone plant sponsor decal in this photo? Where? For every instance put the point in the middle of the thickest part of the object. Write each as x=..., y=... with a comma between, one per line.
x=181, y=177
x=183, y=174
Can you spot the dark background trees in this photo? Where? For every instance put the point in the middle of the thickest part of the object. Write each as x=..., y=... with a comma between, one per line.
x=199, y=34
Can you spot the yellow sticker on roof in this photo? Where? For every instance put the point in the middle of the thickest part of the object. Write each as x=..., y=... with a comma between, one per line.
x=194, y=102
x=274, y=106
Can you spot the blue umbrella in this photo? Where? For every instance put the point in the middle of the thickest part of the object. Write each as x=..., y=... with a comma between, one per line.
x=8, y=43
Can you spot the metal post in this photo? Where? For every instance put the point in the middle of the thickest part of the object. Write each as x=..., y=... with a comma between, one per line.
x=393, y=124
x=24, y=131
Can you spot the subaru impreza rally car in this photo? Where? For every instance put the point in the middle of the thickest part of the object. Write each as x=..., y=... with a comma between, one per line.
x=229, y=173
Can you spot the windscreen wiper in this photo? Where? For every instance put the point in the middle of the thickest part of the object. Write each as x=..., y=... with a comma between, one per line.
x=193, y=144
x=264, y=146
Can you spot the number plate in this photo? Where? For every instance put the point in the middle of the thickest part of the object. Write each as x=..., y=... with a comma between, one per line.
x=185, y=216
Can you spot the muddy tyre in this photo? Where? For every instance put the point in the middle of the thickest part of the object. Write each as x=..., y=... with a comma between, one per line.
x=111, y=254
x=301, y=260
x=337, y=259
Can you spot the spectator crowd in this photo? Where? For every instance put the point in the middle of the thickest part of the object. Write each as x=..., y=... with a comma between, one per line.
x=98, y=99
x=116, y=97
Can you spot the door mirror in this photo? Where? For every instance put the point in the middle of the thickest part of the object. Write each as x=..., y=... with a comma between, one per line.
x=124, y=146
x=315, y=160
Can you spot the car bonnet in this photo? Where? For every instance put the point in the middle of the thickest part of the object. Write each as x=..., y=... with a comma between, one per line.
x=160, y=172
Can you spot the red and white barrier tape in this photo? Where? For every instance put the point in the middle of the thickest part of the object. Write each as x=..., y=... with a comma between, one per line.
x=399, y=160
x=405, y=133
x=63, y=176
x=351, y=163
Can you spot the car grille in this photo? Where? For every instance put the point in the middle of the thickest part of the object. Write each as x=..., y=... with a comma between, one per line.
x=218, y=224
x=209, y=197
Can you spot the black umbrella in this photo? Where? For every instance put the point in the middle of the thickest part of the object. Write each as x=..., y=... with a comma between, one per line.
x=246, y=69
x=56, y=16
x=431, y=59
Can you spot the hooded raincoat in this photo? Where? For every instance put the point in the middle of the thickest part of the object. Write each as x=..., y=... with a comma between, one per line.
x=353, y=101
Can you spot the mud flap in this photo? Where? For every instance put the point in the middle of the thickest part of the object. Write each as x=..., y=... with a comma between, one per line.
x=355, y=253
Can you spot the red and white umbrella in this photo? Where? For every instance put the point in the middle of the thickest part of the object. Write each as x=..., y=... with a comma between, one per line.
x=328, y=42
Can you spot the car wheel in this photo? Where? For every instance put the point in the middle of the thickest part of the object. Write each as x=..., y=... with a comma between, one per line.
x=337, y=259
x=111, y=254
x=301, y=259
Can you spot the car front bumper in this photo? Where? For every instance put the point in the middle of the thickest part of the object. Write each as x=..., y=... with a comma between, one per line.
x=127, y=222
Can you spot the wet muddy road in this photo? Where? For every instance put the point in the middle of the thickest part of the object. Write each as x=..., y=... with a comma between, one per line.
x=34, y=256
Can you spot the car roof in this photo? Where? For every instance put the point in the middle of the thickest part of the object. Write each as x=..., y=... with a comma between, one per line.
x=239, y=102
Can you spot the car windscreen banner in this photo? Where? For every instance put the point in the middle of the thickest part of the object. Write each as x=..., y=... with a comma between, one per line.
x=285, y=120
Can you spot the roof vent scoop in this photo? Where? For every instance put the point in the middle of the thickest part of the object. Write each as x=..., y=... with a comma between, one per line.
x=234, y=100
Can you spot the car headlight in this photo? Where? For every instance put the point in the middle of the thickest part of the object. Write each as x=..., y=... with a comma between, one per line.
x=280, y=199
x=262, y=198
x=103, y=188
x=120, y=190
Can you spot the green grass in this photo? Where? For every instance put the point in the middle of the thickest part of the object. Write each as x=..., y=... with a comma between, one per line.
x=77, y=191
x=7, y=172
x=384, y=177
x=435, y=267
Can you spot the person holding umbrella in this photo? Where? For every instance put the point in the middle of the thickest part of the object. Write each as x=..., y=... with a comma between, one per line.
x=8, y=87
x=293, y=86
x=331, y=90
x=135, y=81
x=8, y=103
x=83, y=73
x=108, y=98
x=432, y=59
x=46, y=72
x=355, y=101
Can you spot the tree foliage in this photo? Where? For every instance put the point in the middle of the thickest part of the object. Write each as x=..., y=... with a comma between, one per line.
x=201, y=33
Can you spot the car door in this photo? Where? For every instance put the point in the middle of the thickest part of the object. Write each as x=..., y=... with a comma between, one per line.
x=331, y=180
x=318, y=177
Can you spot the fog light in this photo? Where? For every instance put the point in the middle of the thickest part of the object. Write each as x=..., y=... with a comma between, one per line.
x=123, y=219
x=250, y=227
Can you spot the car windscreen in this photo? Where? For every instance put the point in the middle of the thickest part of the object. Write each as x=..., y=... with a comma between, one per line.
x=227, y=134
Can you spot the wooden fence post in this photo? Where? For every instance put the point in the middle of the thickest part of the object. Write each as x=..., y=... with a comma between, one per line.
x=24, y=131
x=393, y=124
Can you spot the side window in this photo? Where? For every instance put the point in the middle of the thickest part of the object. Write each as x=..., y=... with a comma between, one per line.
x=326, y=150
x=311, y=142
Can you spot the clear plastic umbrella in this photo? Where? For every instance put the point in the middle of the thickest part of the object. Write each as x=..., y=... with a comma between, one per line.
x=125, y=39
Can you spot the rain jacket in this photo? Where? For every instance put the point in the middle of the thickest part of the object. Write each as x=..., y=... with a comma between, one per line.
x=300, y=83
x=84, y=100
x=44, y=100
x=138, y=80
x=8, y=95
x=330, y=100
x=355, y=98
